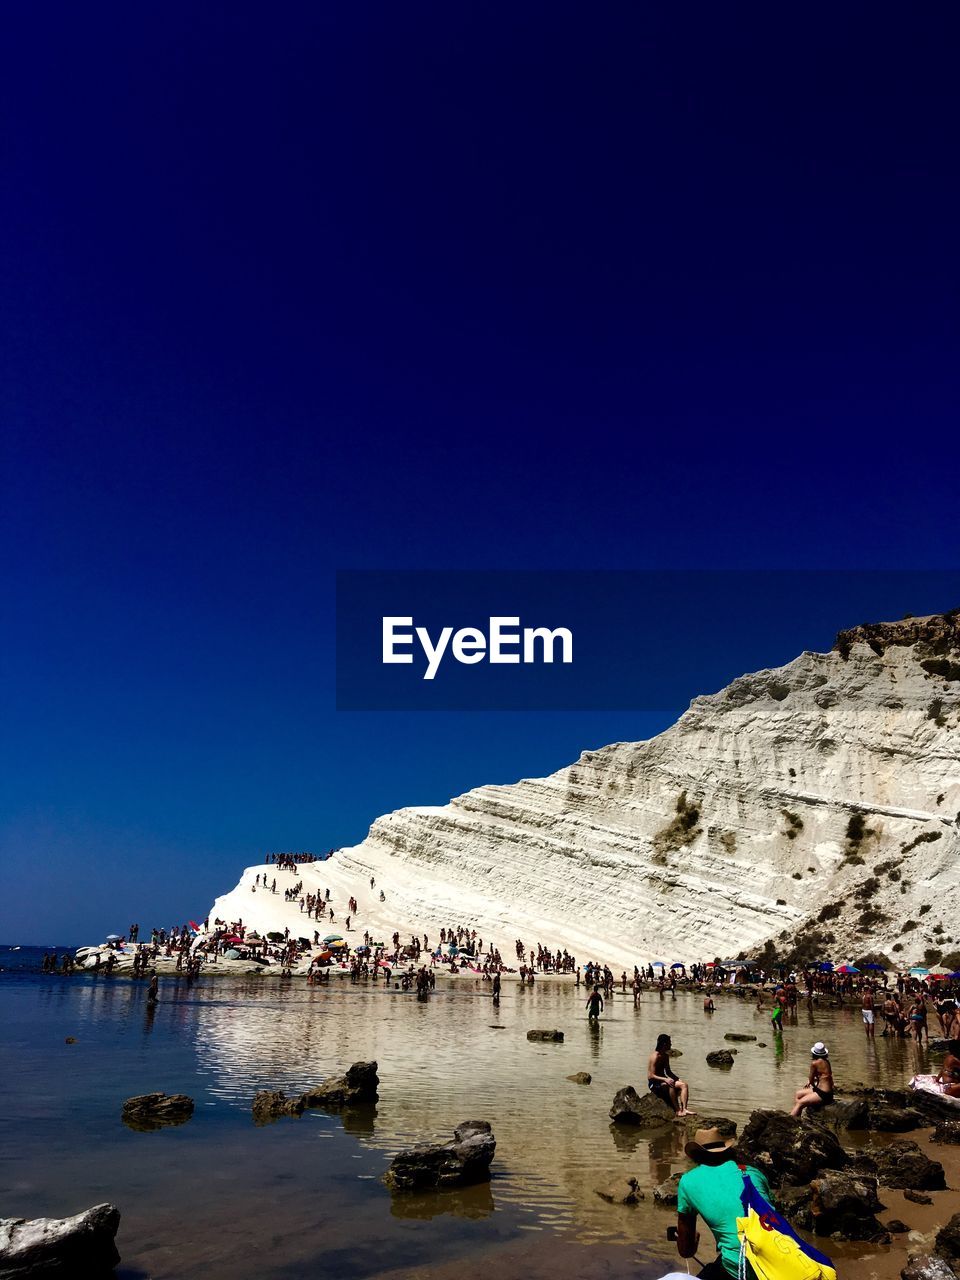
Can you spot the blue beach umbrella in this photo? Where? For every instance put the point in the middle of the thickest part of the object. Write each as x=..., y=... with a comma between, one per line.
x=874, y=966
x=919, y=972
x=825, y=966
x=658, y=964
x=678, y=964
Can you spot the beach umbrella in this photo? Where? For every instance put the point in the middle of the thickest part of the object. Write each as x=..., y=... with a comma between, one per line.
x=874, y=966
x=231, y=955
x=919, y=972
x=334, y=937
x=848, y=968
x=234, y=938
x=825, y=966
x=113, y=937
x=677, y=964
x=276, y=936
x=658, y=964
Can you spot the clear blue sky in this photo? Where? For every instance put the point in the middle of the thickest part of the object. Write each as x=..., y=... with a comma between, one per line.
x=291, y=289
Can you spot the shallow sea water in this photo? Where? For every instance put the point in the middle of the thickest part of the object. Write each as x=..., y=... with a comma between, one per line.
x=221, y=1197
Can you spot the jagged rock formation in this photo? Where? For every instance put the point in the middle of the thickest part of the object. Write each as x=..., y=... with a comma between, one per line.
x=82, y=1245
x=815, y=806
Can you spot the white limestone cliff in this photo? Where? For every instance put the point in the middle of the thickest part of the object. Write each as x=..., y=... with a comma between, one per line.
x=814, y=804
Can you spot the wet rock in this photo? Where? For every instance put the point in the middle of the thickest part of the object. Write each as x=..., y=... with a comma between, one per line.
x=720, y=1058
x=853, y=1114
x=794, y=1203
x=270, y=1104
x=358, y=1087
x=879, y=1110
x=70, y=1040
x=547, y=1037
x=789, y=1150
x=439, y=1165
x=948, y=1240
x=149, y=1111
x=83, y=1245
x=726, y=1127
x=902, y=1165
x=844, y=1206
x=947, y=1131
x=666, y=1193
x=917, y=1197
x=932, y=1105
x=581, y=1077
x=938, y=1046
x=620, y=1190
x=897, y=1227
x=927, y=1268
x=889, y=1119
x=647, y=1112
x=737, y=1038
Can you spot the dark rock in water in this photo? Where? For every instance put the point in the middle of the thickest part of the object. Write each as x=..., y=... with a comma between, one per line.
x=789, y=1150
x=727, y=1127
x=853, y=1114
x=549, y=1037
x=917, y=1197
x=947, y=1131
x=666, y=1193
x=737, y=1038
x=844, y=1206
x=901, y=1166
x=581, y=1077
x=794, y=1203
x=927, y=1268
x=269, y=1104
x=438, y=1165
x=935, y=1106
x=938, y=1046
x=150, y=1111
x=70, y=1040
x=897, y=1227
x=947, y=1242
x=720, y=1058
x=83, y=1245
x=647, y=1112
x=889, y=1119
x=876, y=1110
x=355, y=1089
x=620, y=1190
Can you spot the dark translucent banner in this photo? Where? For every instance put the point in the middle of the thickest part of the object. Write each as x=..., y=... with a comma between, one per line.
x=441, y=640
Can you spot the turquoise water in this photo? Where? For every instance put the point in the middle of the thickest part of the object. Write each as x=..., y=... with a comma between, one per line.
x=222, y=1197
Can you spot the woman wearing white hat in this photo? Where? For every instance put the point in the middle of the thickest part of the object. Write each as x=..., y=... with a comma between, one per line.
x=818, y=1091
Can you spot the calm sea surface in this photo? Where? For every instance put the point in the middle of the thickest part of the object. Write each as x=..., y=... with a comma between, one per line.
x=221, y=1197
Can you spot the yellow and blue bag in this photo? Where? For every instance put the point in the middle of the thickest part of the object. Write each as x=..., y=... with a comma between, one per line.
x=772, y=1247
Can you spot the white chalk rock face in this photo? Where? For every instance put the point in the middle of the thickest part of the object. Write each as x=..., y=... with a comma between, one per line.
x=816, y=804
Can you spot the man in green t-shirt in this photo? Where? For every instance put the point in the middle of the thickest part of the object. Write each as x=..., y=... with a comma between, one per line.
x=712, y=1191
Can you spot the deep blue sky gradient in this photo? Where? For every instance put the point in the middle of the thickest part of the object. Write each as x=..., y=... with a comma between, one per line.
x=287, y=289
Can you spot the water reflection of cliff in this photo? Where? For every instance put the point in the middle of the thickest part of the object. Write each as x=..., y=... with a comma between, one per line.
x=455, y=1057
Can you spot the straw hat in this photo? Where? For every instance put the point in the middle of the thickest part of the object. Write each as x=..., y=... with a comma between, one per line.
x=709, y=1146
